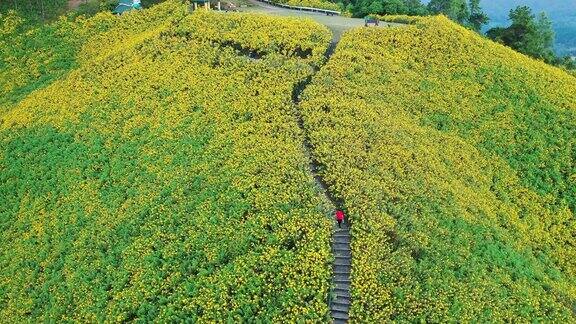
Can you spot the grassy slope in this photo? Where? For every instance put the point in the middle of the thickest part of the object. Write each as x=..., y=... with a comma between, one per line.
x=455, y=158
x=146, y=183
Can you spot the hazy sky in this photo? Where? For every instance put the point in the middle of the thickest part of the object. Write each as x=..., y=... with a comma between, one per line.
x=556, y=8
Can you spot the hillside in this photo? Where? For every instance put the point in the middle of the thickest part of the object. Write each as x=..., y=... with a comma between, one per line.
x=168, y=166
x=144, y=183
x=455, y=158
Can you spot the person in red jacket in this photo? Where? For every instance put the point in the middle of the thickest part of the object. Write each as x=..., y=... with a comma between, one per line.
x=339, y=217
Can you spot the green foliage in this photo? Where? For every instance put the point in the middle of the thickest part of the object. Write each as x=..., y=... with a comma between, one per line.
x=321, y=4
x=401, y=19
x=361, y=8
x=415, y=8
x=34, y=55
x=456, y=10
x=35, y=9
x=92, y=7
x=530, y=35
x=29, y=56
x=143, y=181
x=469, y=13
x=477, y=17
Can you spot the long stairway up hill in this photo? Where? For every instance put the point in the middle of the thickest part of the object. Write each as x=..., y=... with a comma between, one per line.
x=340, y=298
x=340, y=292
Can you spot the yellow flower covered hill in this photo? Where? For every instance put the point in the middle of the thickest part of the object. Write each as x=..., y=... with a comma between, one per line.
x=455, y=158
x=144, y=181
x=33, y=56
x=168, y=166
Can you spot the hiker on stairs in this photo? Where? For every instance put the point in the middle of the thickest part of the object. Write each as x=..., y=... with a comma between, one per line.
x=339, y=217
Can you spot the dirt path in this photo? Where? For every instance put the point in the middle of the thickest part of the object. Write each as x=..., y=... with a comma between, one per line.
x=74, y=4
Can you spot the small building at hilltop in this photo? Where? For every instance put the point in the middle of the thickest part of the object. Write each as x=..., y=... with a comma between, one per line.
x=195, y=4
x=127, y=5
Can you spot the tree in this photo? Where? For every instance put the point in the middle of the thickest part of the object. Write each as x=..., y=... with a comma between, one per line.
x=395, y=7
x=360, y=8
x=350, y=7
x=545, y=37
x=415, y=8
x=477, y=17
x=527, y=34
x=466, y=13
x=375, y=7
x=456, y=10
x=497, y=34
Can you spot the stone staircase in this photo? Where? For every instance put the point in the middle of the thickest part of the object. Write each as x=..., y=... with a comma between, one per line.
x=340, y=293
x=340, y=303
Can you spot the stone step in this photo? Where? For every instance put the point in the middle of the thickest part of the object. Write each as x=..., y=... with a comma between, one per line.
x=340, y=304
x=342, y=285
x=341, y=292
x=343, y=254
x=342, y=269
x=346, y=244
x=335, y=250
x=341, y=246
x=341, y=277
x=341, y=239
x=342, y=260
x=338, y=299
x=340, y=316
x=340, y=307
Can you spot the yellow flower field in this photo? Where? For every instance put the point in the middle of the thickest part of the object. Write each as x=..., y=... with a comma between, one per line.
x=455, y=159
x=152, y=169
x=142, y=181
